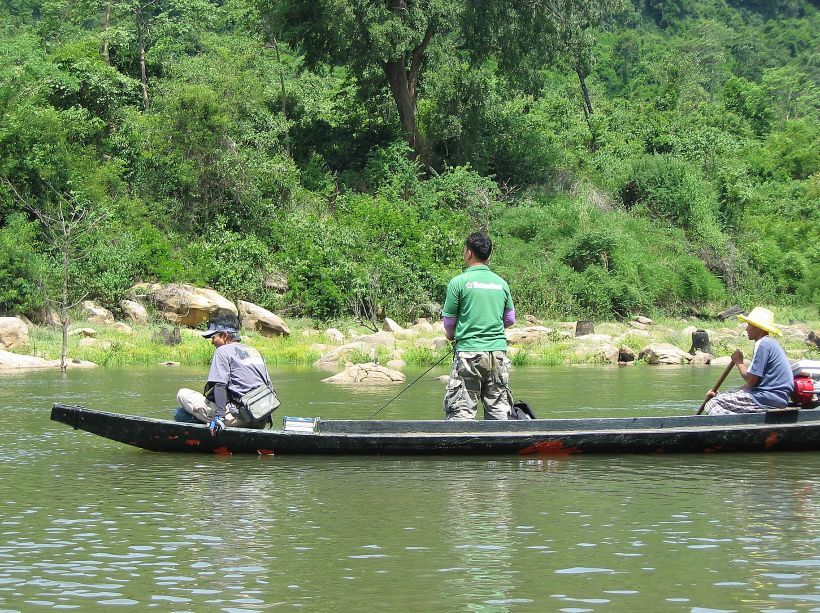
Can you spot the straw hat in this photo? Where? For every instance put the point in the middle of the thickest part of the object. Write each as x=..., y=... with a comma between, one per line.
x=761, y=318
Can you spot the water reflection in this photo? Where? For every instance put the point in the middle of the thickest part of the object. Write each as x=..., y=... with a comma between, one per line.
x=89, y=524
x=481, y=521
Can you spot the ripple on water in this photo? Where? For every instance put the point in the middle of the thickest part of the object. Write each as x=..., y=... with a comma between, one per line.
x=607, y=532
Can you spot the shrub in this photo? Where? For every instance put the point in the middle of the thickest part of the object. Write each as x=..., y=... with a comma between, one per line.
x=22, y=268
x=672, y=190
x=105, y=267
x=233, y=263
x=594, y=247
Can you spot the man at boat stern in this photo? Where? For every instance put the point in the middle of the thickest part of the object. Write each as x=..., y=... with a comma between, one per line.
x=477, y=309
x=236, y=369
x=769, y=379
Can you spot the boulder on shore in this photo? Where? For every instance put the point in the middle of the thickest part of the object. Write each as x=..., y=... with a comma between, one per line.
x=366, y=374
x=121, y=326
x=626, y=355
x=134, y=311
x=379, y=339
x=96, y=314
x=334, y=335
x=528, y=335
x=603, y=353
x=701, y=357
x=185, y=304
x=423, y=326
x=13, y=333
x=334, y=356
x=390, y=325
x=254, y=317
x=14, y=361
x=664, y=353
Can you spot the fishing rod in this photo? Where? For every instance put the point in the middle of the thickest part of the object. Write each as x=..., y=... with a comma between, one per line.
x=444, y=355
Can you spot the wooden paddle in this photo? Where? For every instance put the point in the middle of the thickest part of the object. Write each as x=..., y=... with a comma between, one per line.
x=717, y=385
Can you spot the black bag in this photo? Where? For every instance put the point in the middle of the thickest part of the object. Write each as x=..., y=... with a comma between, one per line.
x=258, y=404
x=521, y=410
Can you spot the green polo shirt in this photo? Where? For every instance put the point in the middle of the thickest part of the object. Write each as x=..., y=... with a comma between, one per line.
x=478, y=298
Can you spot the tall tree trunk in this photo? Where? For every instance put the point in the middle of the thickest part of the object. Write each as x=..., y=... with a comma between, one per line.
x=405, y=100
x=585, y=95
x=584, y=90
x=106, y=26
x=141, y=43
x=404, y=84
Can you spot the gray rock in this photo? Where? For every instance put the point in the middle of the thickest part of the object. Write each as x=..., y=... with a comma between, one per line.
x=185, y=304
x=13, y=333
x=366, y=374
x=123, y=327
x=96, y=314
x=379, y=339
x=254, y=317
x=341, y=354
x=390, y=325
x=702, y=358
x=14, y=361
x=334, y=335
x=603, y=353
x=134, y=311
x=528, y=335
x=423, y=326
x=664, y=353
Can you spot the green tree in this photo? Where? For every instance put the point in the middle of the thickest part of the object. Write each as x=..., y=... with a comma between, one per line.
x=395, y=37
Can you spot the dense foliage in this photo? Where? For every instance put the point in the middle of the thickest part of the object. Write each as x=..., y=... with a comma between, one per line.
x=626, y=156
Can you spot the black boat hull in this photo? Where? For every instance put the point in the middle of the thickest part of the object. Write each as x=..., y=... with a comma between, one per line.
x=785, y=430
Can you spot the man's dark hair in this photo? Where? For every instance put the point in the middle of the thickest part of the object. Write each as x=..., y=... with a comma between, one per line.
x=480, y=244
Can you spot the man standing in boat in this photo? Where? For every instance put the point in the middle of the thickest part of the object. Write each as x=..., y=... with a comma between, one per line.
x=236, y=370
x=477, y=309
x=769, y=379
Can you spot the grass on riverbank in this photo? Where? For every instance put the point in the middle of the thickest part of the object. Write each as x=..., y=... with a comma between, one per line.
x=306, y=343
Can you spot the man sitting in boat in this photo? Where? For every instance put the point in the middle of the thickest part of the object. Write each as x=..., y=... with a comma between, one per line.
x=769, y=379
x=236, y=370
x=477, y=309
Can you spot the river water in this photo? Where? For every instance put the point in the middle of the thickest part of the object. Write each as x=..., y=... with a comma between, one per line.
x=89, y=524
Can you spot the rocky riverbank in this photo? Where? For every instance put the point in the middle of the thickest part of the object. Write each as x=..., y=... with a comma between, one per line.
x=161, y=325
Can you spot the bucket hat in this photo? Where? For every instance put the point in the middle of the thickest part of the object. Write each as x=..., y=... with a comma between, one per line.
x=761, y=318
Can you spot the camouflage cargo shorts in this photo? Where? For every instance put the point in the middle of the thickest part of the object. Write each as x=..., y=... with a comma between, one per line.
x=474, y=376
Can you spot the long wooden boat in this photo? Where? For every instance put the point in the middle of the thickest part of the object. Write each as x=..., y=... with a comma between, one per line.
x=782, y=430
